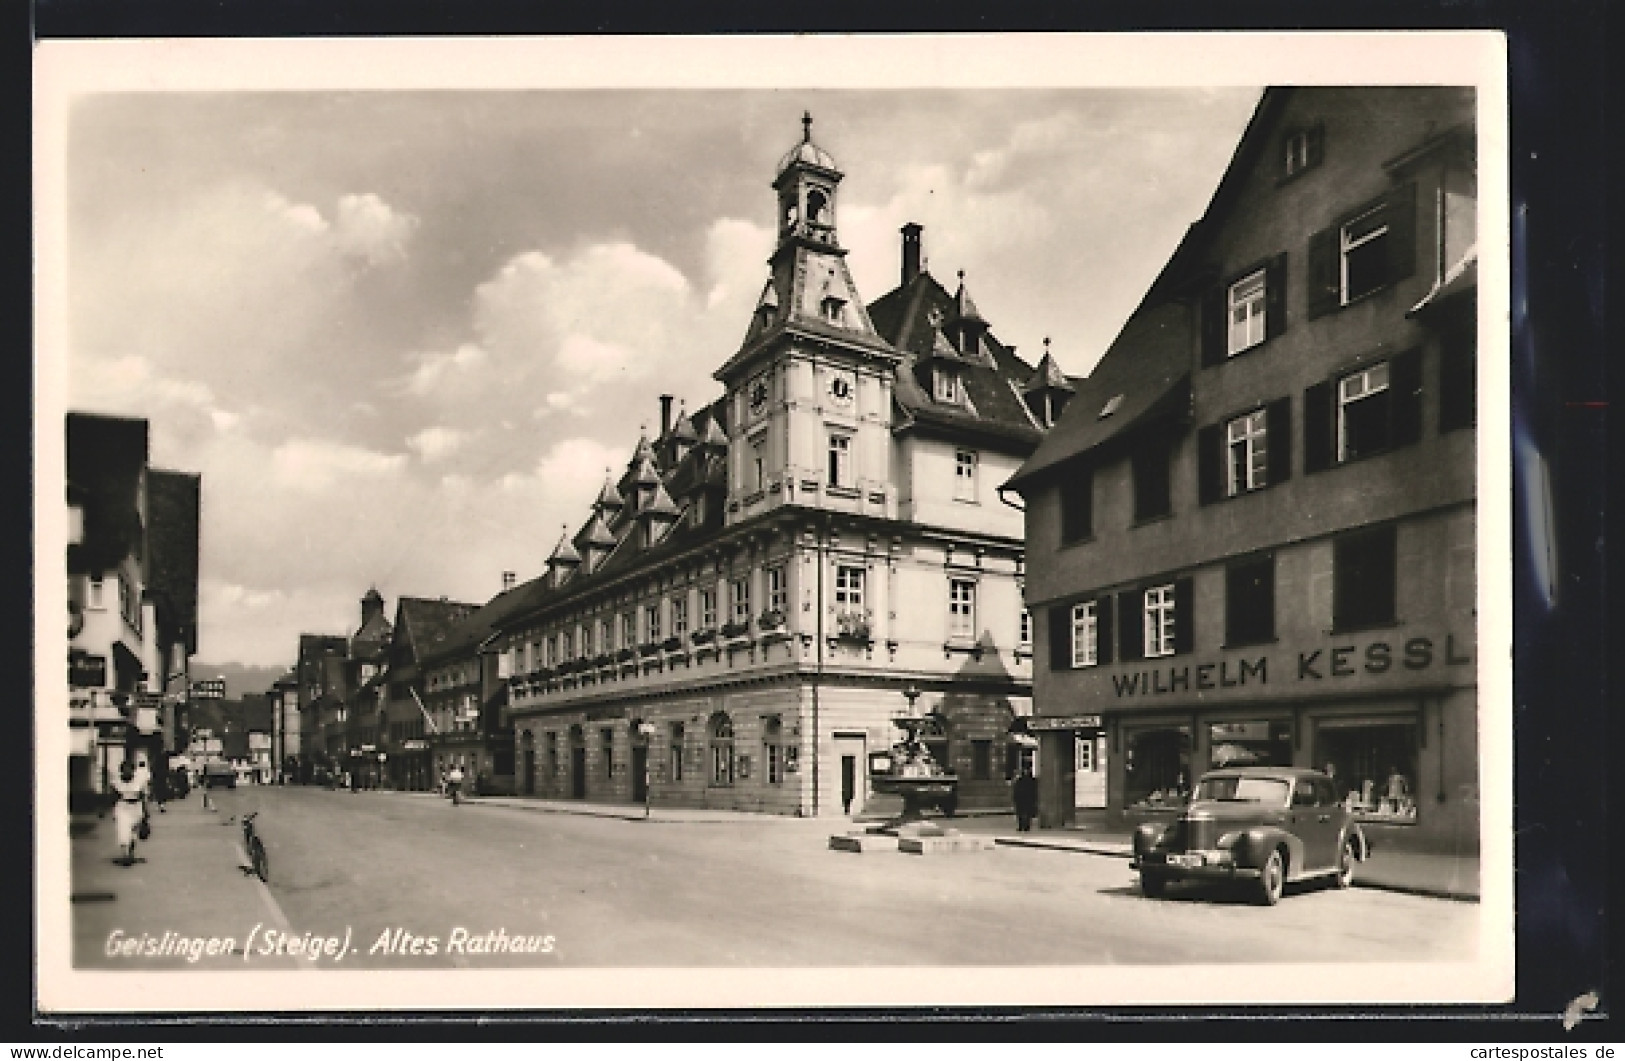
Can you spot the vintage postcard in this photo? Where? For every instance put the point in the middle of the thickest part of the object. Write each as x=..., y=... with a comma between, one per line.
x=978, y=520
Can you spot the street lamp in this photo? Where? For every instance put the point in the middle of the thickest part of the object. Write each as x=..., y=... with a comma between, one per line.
x=911, y=693
x=645, y=731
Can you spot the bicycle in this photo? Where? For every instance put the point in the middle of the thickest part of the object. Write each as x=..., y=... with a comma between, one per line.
x=257, y=863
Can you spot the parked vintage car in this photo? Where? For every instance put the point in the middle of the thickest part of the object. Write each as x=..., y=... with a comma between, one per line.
x=1264, y=825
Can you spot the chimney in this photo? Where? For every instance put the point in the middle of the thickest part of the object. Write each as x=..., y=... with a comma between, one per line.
x=911, y=251
x=665, y=415
x=507, y=581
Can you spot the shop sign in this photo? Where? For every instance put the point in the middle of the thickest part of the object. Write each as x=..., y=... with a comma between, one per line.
x=1044, y=723
x=415, y=745
x=1321, y=665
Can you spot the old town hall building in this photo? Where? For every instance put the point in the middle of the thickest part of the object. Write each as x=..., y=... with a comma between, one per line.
x=1251, y=535
x=778, y=575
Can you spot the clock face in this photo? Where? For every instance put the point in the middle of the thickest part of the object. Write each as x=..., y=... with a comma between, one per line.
x=758, y=396
x=840, y=390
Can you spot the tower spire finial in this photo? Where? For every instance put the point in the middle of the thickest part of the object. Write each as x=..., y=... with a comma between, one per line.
x=806, y=127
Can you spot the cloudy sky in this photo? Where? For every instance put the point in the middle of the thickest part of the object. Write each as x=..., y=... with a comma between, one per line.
x=401, y=335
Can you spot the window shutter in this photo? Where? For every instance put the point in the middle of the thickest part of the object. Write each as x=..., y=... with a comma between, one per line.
x=1060, y=637
x=1103, y=629
x=1275, y=296
x=1213, y=324
x=1458, y=383
x=1324, y=288
x=1278, y=439
x=1405, y=384
x=1131, y=632
x=1400, y=213
x=1317, y=428
x=1209, y=465
x=1317, y=145
x=1184, y=616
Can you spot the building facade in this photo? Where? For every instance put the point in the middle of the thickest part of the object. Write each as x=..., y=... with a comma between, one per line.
x=1251, y=534
x=132, y=600
x=776, y=577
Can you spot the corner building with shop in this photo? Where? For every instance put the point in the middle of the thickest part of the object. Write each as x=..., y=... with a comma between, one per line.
x=778, y=575
x=1251, y=535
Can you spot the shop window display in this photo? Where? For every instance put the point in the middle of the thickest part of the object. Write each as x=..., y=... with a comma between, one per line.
x=1157, y=767
x=1260, y=743
x=1372, y=766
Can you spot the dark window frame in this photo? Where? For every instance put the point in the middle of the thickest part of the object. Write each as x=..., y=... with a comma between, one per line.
x=1151, y=469
x=1075, y=497
x=1245, y=598
x=1365, y=579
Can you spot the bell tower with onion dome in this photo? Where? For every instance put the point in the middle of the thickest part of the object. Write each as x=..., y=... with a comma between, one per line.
x=809, y=389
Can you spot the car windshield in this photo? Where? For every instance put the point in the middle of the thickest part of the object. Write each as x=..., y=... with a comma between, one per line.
x=1244, y=789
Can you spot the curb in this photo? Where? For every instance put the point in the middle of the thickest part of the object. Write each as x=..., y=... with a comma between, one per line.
x=1115, y=851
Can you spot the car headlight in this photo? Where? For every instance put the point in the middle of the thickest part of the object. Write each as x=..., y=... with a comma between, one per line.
x=1228, y=840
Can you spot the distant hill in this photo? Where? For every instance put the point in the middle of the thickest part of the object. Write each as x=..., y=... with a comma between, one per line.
x=241, y=679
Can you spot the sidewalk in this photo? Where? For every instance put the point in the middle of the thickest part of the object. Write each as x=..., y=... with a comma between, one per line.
x=189, y=884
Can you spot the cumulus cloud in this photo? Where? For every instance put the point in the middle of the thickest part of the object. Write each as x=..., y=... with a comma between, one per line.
x=435, y=370
x=436, y=443
x=369, y=228
x=312, y=464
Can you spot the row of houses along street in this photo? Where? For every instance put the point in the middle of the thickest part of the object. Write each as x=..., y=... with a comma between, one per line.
x=1247, y=536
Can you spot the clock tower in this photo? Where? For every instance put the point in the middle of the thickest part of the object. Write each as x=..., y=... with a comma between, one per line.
x=810, y=388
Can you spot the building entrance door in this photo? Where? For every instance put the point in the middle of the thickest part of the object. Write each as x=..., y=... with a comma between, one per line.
x=640, y=773
x=854, y=785
x=530, y=771
x=578, y=772
x=1089, y=790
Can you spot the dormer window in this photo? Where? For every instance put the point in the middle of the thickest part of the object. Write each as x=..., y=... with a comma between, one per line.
x=946, y=385
x=834, y=309
x=1301, y=149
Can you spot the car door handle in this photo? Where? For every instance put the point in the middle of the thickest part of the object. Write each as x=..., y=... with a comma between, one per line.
x=1325, y=817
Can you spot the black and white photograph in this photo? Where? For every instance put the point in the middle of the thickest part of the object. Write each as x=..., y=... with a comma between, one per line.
x=632, y=522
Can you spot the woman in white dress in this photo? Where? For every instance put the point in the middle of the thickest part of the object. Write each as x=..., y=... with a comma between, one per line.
x=128, y=811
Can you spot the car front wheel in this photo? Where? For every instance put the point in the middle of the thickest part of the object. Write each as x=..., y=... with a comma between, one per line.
x=1345, y=863
x=1272, y=878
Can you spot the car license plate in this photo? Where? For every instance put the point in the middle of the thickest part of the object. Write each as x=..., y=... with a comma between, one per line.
x=1187, y=861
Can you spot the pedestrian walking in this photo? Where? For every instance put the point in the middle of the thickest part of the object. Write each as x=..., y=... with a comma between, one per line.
x=1025, y=794
x=128, y=811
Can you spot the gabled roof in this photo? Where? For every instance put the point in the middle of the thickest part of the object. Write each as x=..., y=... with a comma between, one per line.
x=564, y=552
x=106, y=455
x=595, y=532
x=464, y=636
x=173, y=506
x=421, y=624
x=1048, y=376
x=609, y=496
x=1146, y=370
x=910, y=317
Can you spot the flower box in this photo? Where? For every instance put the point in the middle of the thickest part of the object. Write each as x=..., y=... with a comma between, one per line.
x=650, y=649
x=625, y=654
x=736, y=630
x=703, y=637
x=603, y=659
x=771, y=619
x=671, y=644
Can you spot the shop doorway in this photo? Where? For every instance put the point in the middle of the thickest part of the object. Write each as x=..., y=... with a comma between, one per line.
x=578, y=763
x=640, y=772
x=850, y=748
x=1089, y=786
x=530, y=771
